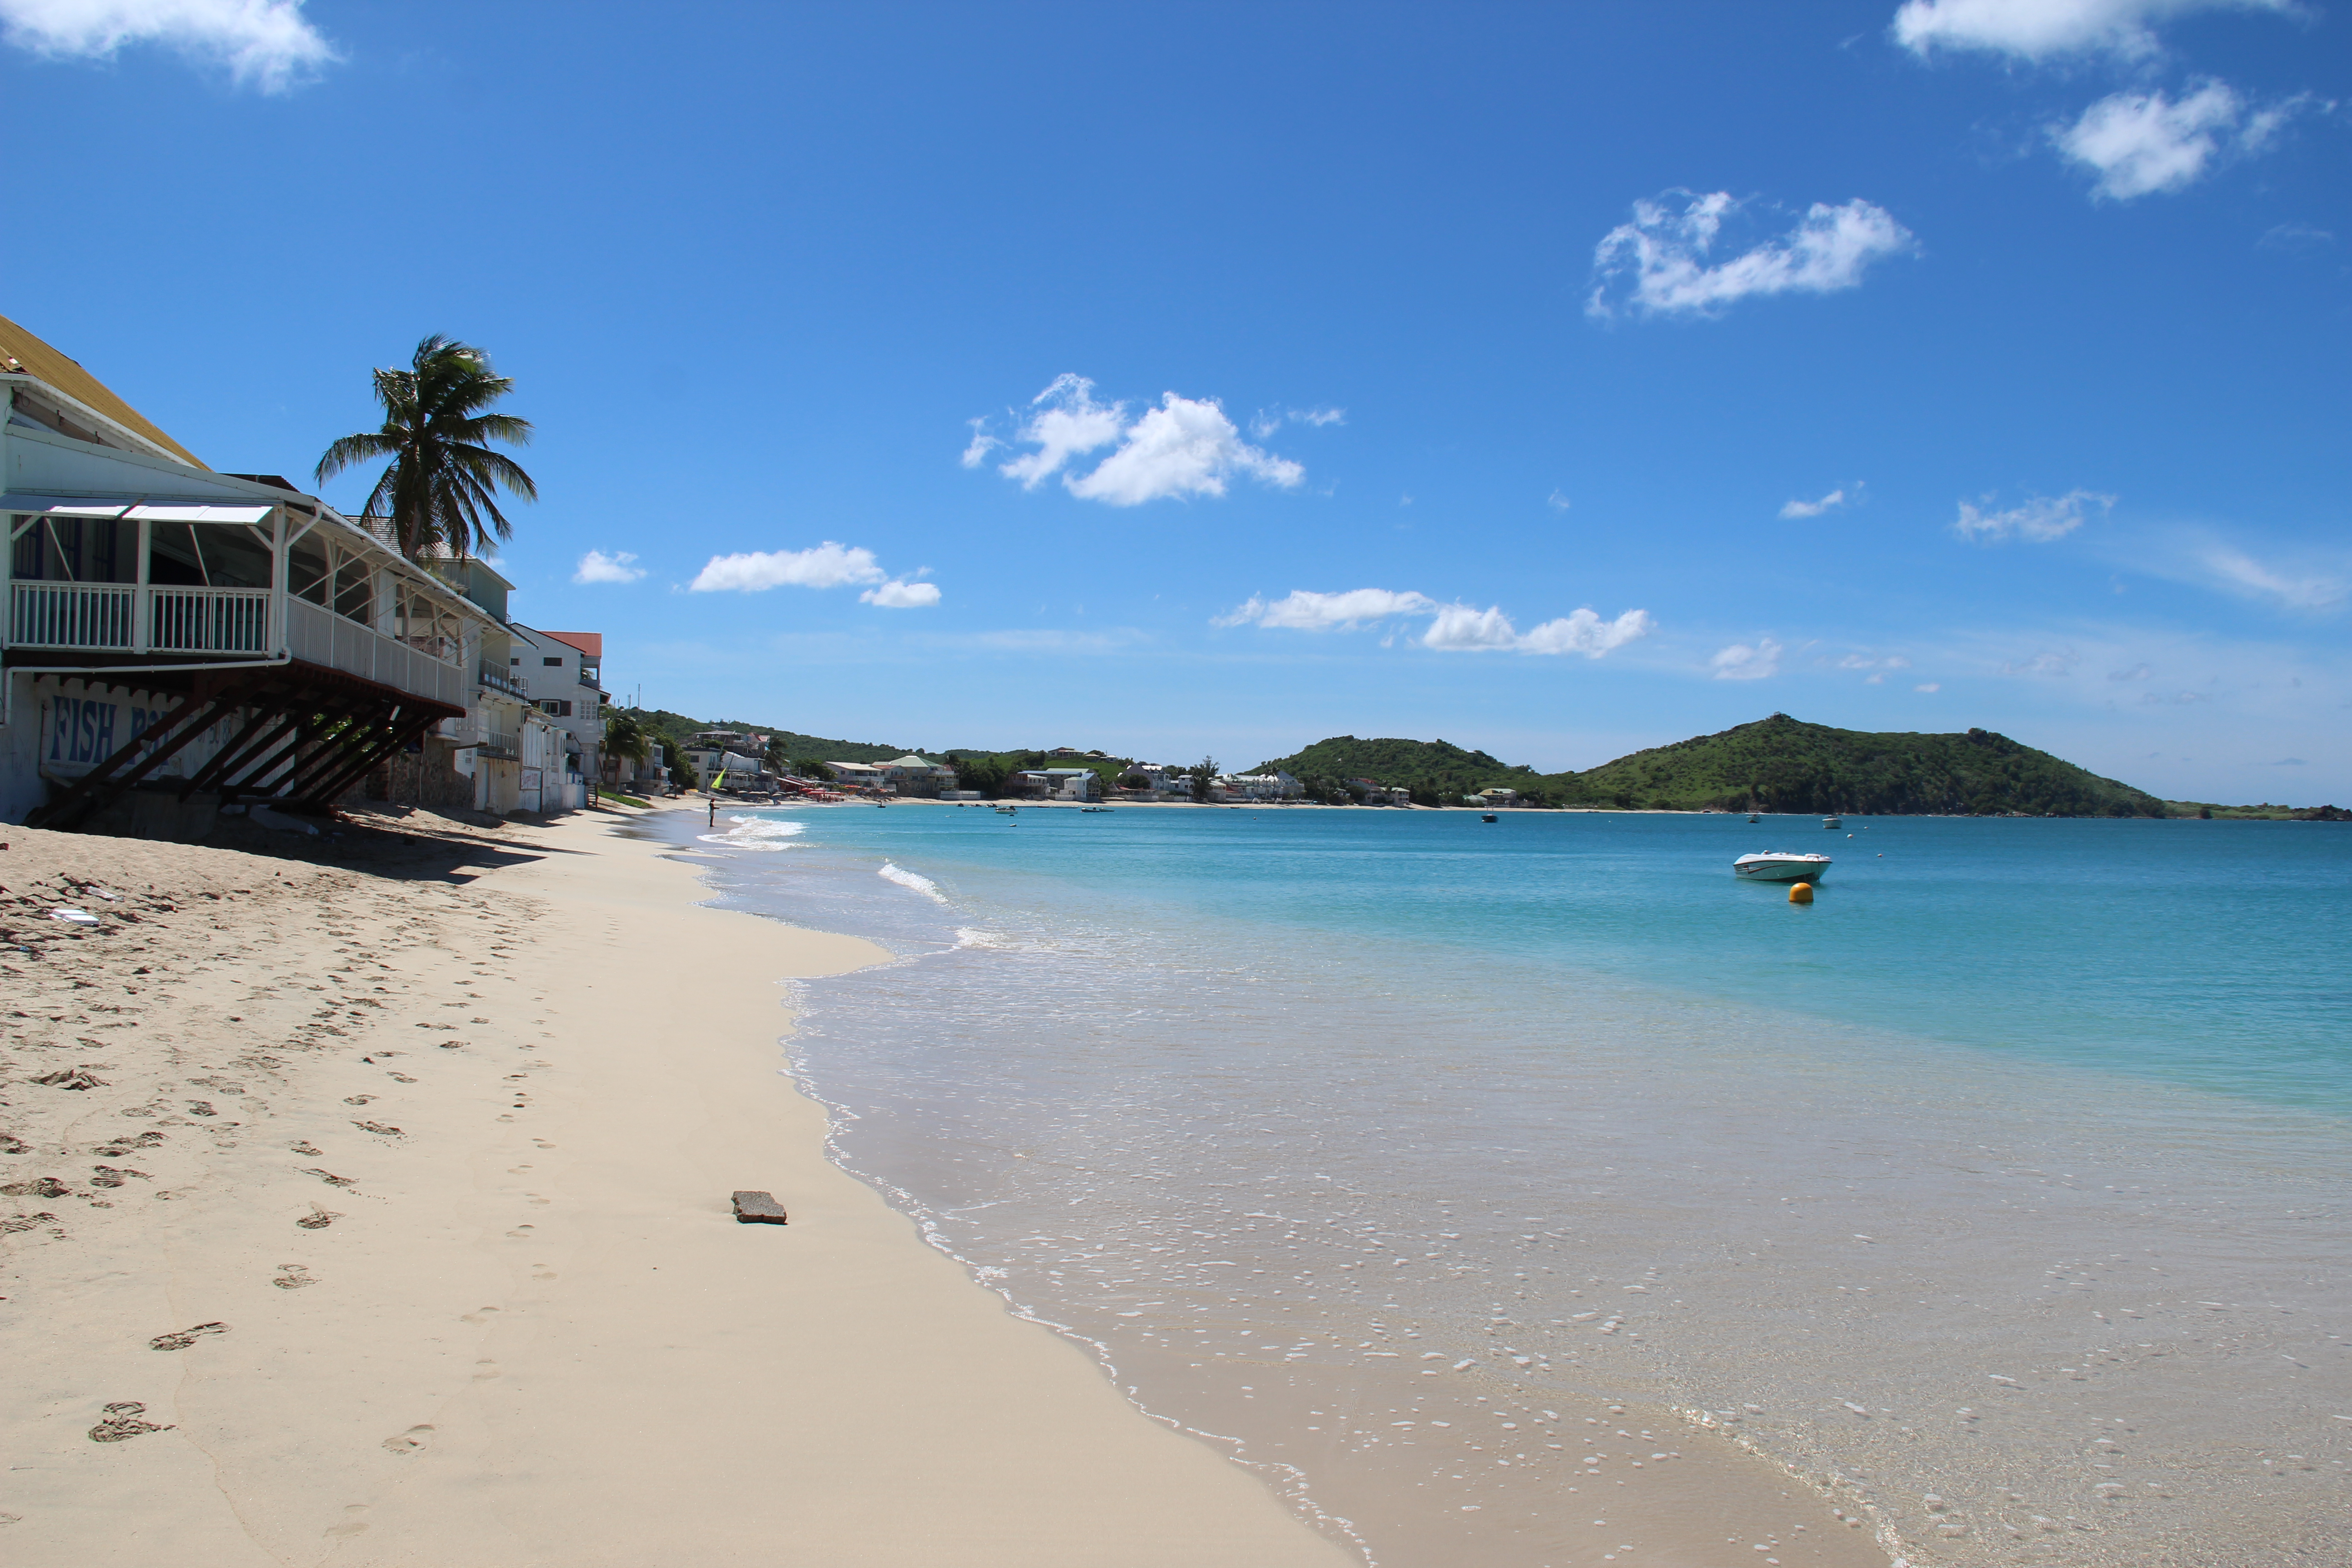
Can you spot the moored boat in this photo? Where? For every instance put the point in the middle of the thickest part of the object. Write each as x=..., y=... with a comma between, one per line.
x=1781, y=866
x=1832, y=822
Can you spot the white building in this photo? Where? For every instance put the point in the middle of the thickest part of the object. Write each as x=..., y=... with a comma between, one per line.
x=175, y=635
x=1057, y=784
x=564, y=669
x=1271, y=786
x=919, y=777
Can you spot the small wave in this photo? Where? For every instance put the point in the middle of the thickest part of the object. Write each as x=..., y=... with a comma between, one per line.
x=760, y=833
x=920, y=884
x=967, y=937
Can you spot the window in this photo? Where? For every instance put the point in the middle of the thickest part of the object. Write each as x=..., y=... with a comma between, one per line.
x=558, y=708
x=553, y=663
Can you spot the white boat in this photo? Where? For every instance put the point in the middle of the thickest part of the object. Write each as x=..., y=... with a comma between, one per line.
x=1832, y=822
x=1781, y=866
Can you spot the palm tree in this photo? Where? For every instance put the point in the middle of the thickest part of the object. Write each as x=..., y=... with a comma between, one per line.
x=439, y=490
x=625, y=741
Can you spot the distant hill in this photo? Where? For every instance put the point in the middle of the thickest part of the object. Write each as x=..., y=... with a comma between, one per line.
x=1778, y=764
x=1437, y=772
x=676, y=728
x=1785, y=764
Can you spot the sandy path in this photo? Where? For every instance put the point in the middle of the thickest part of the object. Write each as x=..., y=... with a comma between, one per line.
x=531, y=1332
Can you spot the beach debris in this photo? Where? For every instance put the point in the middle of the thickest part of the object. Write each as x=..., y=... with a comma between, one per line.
x=73, y=916
x=292, y=1277
x=1857, y=1409
x=184, y=1338
x=113, y=1176
x=758, y=1208
x=378, y=1128
x=72, y=1078
x=122, y=1423
x=318, y=1218
x=10, y=1144
x=38, y=1188
x=330, y=1177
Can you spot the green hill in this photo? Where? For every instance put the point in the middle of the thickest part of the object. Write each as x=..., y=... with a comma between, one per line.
x=1437, y=772
x=1774, y=765
x=1784, y=764
x=676, y=728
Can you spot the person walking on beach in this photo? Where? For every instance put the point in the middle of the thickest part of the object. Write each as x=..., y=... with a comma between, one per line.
x=714, y=811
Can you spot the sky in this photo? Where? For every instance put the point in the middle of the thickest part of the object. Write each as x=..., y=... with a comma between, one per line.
x=1210, y=379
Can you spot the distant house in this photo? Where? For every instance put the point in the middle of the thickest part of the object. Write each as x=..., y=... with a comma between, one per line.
x=1274, y=786
x=1056, y=784
x=919, y=777
x=861, y=776
x=1497, y=797
x=1155, y=780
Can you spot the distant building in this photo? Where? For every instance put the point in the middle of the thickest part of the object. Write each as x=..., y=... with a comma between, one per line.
x=1274, y=786
x=1497, y=797
x=1056, y=784
x=919, y=777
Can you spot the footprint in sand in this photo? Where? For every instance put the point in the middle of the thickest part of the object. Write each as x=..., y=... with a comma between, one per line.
x=184, y=1338
x=292, y=1277
x=409, y=1442
x=318, y=1218
x=122, y=1423
x=307, y=1147
x=201, y=1108
x=357, y=1099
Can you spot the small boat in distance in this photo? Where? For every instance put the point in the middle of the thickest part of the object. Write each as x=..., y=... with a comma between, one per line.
x=1781, y=866
x=1832, y=822
x=1753, y=817
x=1489, y=816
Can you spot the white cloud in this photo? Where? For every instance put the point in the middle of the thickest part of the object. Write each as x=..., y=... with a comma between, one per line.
x=2138, y=143
x=265, y=44
x=1656, y=264
x=1741, y=662
x=1557, y=501
x=1795, y=509
x=2040, y=518
x=1067, y=424
x=901, y=595
x=2040, y=30
x=1319, y=417
x=2059, y=662
x=598, y=567
x=1453, y=628
x=1186, y=447
x=827, y=565
x=1305, y=610
x=1930, y=686
x=1583, y=631
x=2296, y=589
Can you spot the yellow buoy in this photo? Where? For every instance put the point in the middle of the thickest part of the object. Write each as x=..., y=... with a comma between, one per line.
x=1800, y=892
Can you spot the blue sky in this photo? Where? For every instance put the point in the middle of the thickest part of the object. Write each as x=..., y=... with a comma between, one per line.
x=1042, y=374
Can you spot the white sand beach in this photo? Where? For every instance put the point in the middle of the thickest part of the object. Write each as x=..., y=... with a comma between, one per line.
x=379, y=1216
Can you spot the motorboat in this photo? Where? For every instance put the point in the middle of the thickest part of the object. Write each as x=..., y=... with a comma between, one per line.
x=1780, y=865
x=1832, y=822
x=1489, y=816
x=1753, y=817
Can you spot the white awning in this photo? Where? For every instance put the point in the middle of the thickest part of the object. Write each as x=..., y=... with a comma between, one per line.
x=63, y=506
x=177, y=512
x=150, y=511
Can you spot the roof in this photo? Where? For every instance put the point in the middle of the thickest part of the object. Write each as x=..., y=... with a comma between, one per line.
x=37, y=358
x=590, y=643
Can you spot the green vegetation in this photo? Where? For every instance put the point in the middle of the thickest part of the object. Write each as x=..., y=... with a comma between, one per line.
x=1774, y=765
x=676, y=729
x=2265, y=812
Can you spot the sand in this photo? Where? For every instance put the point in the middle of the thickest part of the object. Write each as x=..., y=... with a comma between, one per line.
x=379, y=1214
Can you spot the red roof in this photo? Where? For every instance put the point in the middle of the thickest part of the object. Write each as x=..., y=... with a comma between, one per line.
x=590, y=643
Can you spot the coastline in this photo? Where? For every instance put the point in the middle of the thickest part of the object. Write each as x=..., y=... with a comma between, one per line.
x=534, y=1333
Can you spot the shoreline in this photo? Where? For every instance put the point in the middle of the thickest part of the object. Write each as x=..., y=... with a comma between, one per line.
x=535, y=1334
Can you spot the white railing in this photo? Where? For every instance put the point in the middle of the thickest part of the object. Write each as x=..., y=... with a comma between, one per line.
x=72, y=614
x=318, y=636
x=208, y=620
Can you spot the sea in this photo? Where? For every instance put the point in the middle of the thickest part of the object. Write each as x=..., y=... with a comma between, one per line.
x=1534, y=1193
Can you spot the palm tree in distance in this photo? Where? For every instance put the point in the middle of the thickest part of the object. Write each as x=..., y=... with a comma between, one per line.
x=439, y=490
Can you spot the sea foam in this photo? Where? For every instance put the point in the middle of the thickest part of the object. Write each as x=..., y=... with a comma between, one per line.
x=918, y=882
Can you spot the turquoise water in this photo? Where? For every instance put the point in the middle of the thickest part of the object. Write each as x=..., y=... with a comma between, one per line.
x=2026, y=1136
x=2217, y=954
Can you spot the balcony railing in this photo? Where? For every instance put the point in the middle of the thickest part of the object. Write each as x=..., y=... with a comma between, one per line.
x=105, y=617
x=506, y=680
x=318, y=636
x=209, y=620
